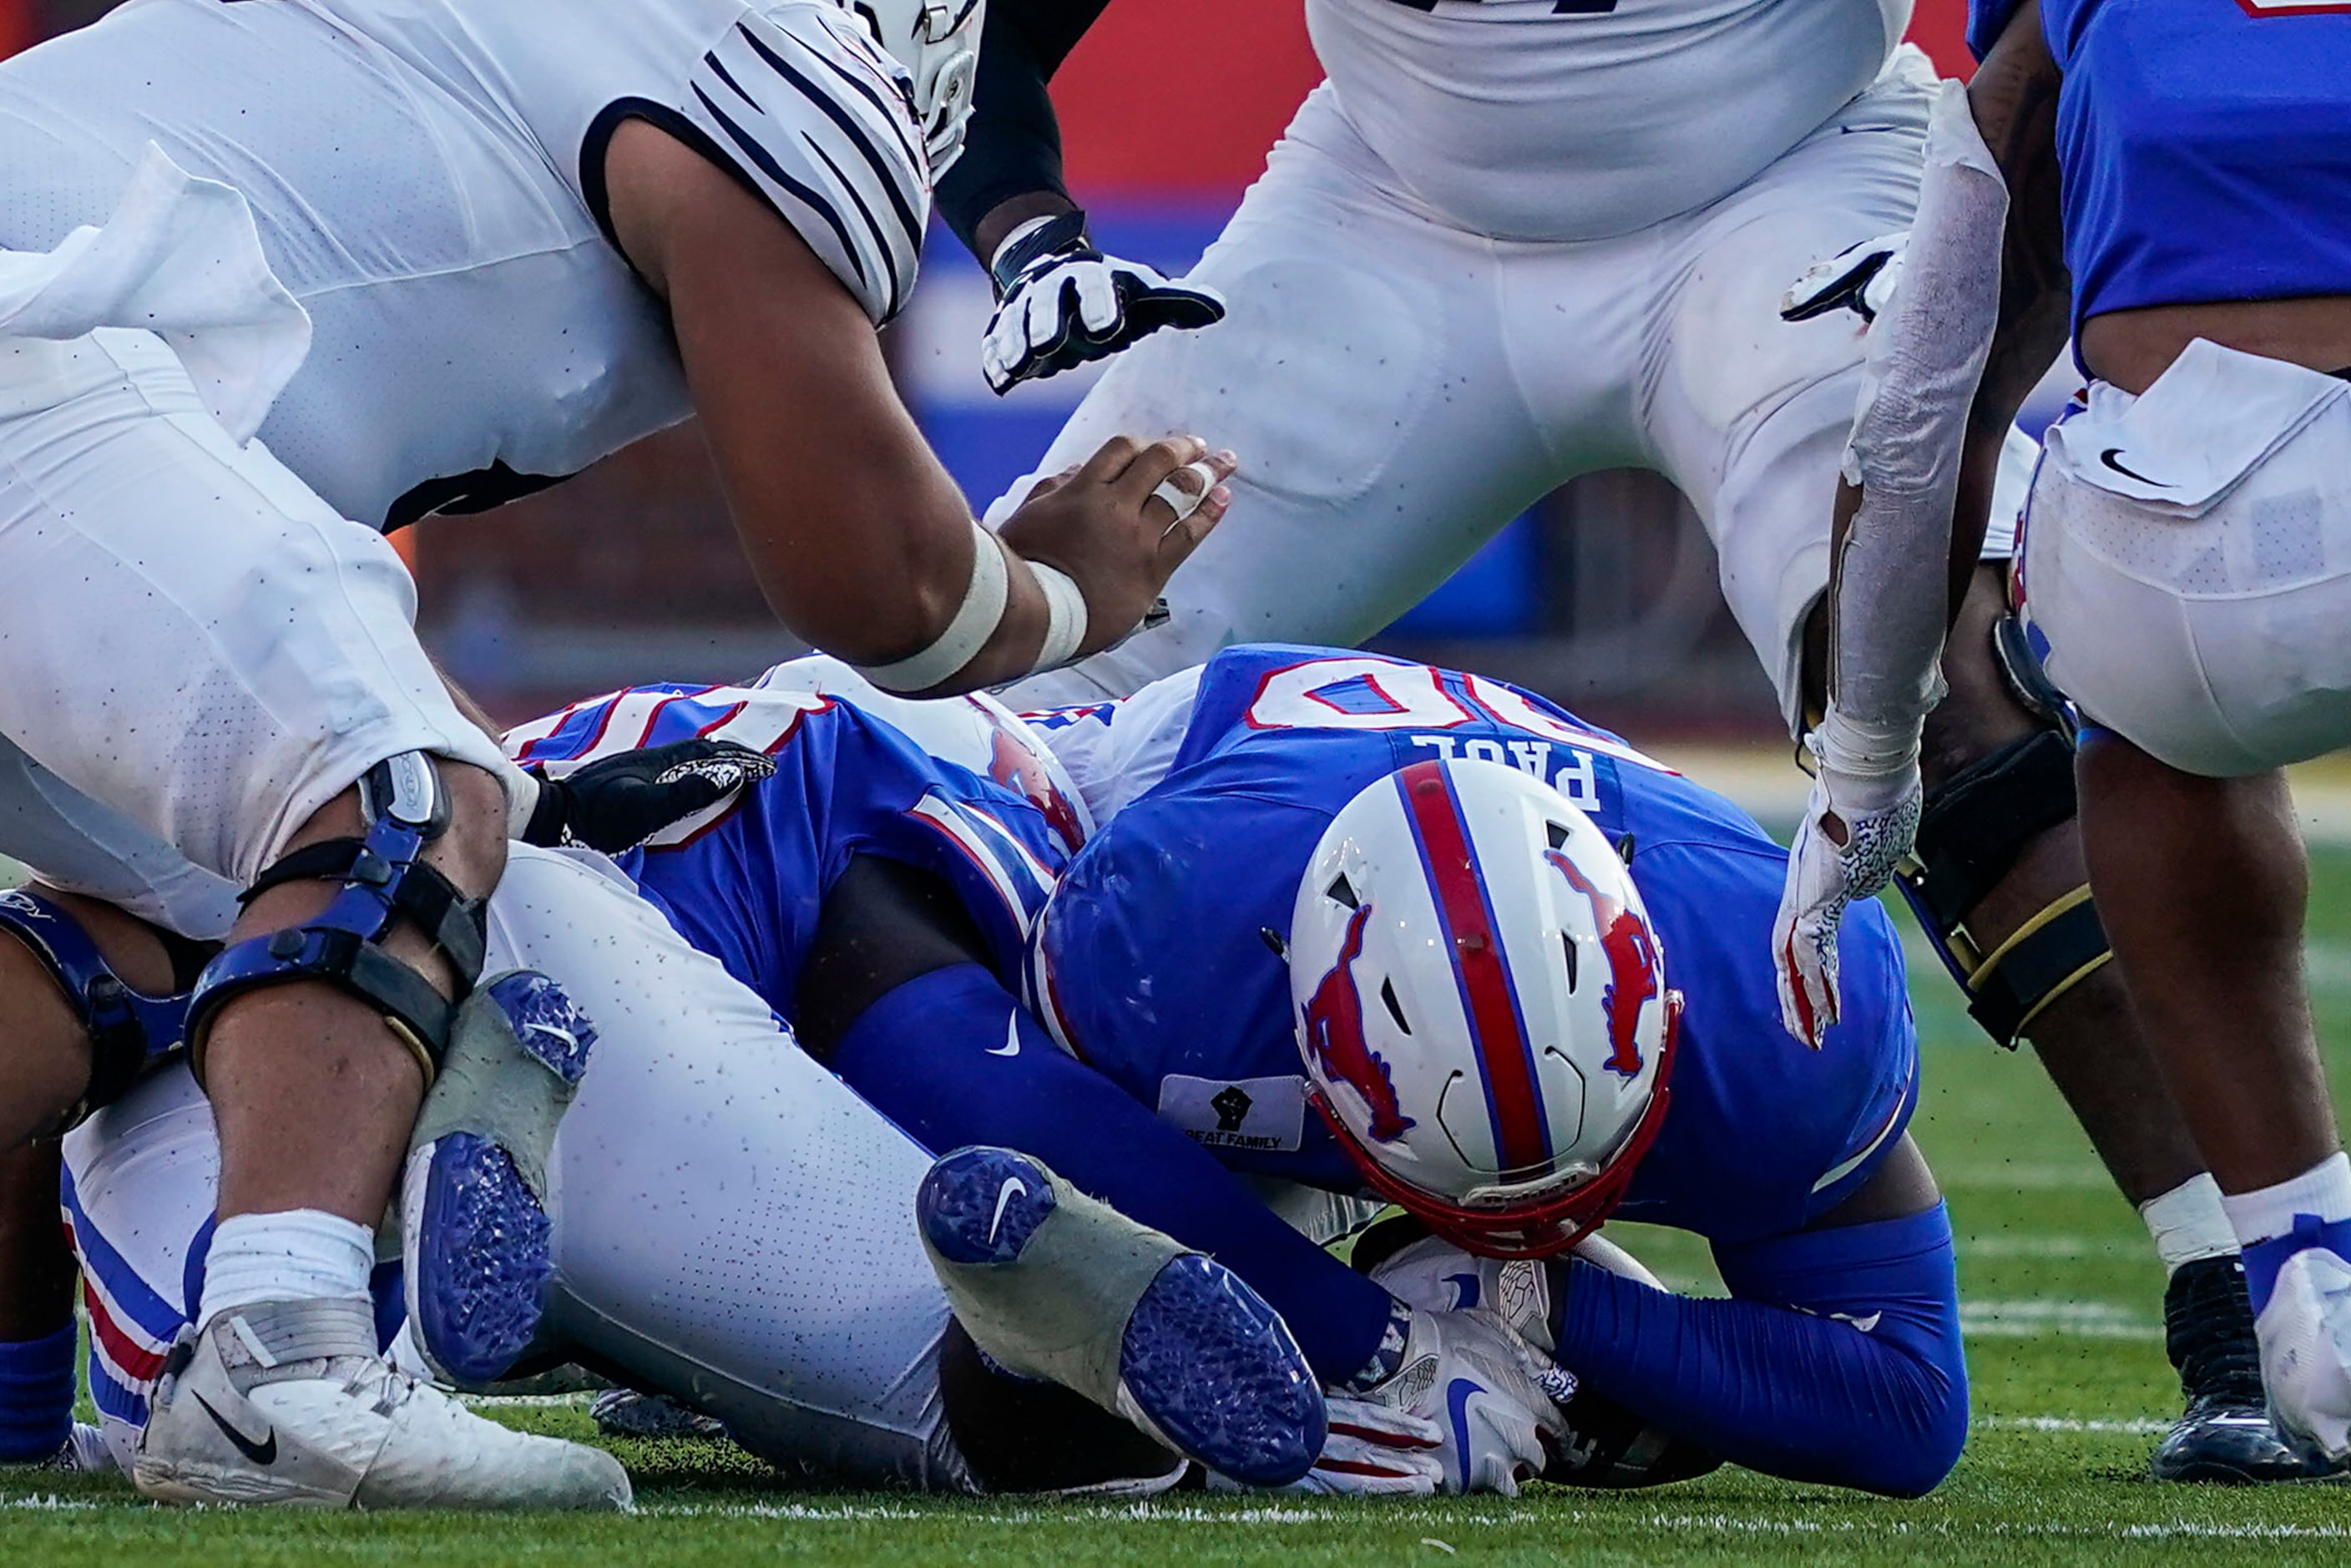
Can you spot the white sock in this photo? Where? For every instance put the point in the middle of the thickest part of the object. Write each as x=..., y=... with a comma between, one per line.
x=300, y=1254
x=2188, y=1223
x=2325, y=1190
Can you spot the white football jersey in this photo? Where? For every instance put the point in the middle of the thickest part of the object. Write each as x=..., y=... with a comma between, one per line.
x=1575, y=119
x=425, y=179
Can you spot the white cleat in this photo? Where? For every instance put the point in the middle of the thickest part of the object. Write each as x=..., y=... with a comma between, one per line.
x=2305, y=1339
x=289, y=1404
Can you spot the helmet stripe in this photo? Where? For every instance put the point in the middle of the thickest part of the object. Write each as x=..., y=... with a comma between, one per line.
x=1481, y=967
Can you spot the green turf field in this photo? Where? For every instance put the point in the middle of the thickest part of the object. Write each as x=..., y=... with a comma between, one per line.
x=2062, y=1306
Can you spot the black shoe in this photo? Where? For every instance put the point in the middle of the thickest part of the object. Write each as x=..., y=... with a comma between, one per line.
x=2225, y=1435
x=625, y=1413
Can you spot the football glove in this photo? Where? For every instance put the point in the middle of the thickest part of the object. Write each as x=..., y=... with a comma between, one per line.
x=617, y=803
x=1861, y=278
x=1491, y=1395
x=1371, y=1451
x=1060, y=303
x=1856, y=831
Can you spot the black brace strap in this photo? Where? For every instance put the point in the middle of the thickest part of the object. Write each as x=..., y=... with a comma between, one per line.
x=384, y=882
x=418, y=892
x=129, y=1029
x=1979, y=820
x=1975, y=826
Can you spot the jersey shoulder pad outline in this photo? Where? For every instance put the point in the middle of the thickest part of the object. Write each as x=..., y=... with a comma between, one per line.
x=820, y=123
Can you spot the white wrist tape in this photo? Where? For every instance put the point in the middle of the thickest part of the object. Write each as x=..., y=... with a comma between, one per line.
x=975, y=622
x=1925, y=355
x=1065, y=623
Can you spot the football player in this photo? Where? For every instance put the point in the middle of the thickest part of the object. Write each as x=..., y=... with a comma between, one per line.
x=435, y=255
x=2119, y=170
x=1507, y=243
x=638, y=1169
x=1383, y=929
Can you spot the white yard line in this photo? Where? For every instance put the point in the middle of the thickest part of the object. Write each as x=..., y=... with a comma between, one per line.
x=2037, y=1318
x=2047, y=1247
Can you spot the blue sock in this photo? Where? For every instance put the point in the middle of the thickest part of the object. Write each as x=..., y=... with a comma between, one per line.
x=2264, y=1259
x=37, y=1396
x=930, y=1056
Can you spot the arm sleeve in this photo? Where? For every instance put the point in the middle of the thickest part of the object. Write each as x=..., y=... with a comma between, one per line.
x=1924, y=358
x=1014, y=144
x=1837, y=1359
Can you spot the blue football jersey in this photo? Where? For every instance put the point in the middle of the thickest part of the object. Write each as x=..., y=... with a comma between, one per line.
x=2205, y=144
x=745, y=880
x=1157, y=961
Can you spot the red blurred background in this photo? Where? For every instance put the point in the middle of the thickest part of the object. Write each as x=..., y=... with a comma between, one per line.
x=1604, y=595
x=1131, y=130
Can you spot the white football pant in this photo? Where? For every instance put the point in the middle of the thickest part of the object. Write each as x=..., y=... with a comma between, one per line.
x=2187, y=559
x=1398, y=389
x=189, y=638
x=731, y=1225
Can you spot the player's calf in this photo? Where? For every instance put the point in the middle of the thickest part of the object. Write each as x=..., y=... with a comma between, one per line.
x=1053, y=1284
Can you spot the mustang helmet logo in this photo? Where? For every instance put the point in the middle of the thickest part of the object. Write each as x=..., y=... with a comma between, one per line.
x=1334, y=1034
x=1632, y=954
x=1015, y=767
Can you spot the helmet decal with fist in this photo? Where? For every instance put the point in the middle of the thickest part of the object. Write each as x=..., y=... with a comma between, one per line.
x=1482, y=1004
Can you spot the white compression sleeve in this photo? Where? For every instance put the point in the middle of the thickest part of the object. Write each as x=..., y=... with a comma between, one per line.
x=1925, y=356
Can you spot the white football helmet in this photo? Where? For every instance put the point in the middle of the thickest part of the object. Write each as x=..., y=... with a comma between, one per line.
x=938, y=43
x=1481, y=1005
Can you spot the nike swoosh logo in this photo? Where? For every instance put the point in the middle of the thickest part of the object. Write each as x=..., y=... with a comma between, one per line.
x=1465, y=1290
x=1011, y=1046
x=261, y=1453
x=2112, y=452
x=1004, y=1196
x=1458, y=1395
x=1864, y=1325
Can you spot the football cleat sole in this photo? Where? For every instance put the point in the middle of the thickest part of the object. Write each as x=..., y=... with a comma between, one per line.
x=478, y=1238
x=478, y=1283
x=1053, y=1283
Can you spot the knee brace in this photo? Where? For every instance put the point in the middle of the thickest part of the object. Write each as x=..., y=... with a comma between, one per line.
x=1975, y=825
x=383, y=882
x=129, y=1029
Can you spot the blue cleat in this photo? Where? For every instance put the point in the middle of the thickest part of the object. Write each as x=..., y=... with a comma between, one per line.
x=1051, y=1283
x=477, y=1232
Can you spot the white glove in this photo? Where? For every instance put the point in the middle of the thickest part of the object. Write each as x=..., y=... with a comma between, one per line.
x=1490, y=1394
x=1062, y=302
x=1441, y=1277
x=1371, y=1451
x=1861, y=278
x=1876, y=813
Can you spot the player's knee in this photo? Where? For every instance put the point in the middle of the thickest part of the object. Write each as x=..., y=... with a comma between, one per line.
x=471, y=851
x=95, y=996
x=1981, y=712
x=1918, y=1457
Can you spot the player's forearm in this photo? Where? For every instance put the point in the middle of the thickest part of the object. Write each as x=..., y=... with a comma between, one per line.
x=1872, y=1397
x=1926, y=360
x=1010, y=169
x=2014, y=101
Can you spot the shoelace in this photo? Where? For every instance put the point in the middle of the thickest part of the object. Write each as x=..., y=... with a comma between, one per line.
x=2209, y=1333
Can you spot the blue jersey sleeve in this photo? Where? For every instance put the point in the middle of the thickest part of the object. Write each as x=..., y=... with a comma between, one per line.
x=746, y=881
x=1763, y=1134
